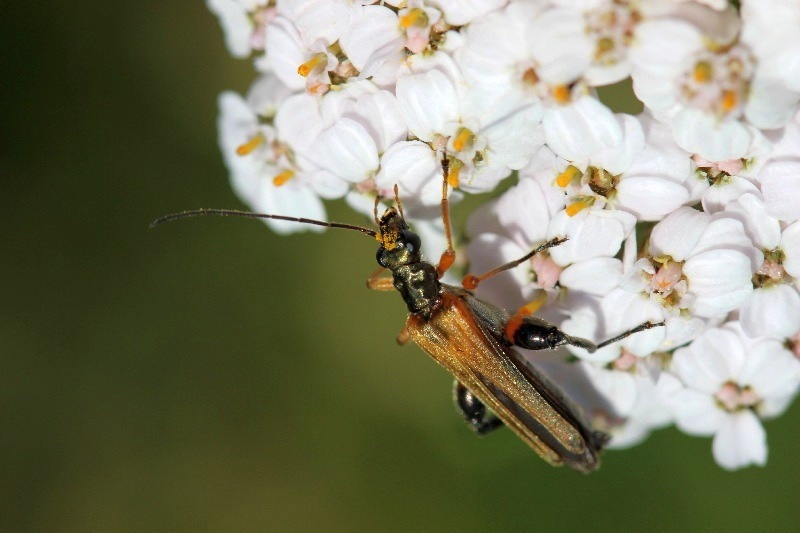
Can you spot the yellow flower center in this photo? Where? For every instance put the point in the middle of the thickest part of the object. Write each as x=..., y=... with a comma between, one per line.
x=249, y=146
x=414, y=17
x=282, y=178
x=570, y=173
x=702, y=72
x=306, y=68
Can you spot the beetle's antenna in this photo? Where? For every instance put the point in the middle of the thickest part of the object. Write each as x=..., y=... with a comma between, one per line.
x=378, y=199
x=397, y=201
x=247, y=214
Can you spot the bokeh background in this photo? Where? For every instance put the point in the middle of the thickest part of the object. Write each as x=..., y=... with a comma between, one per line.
x=211, y=376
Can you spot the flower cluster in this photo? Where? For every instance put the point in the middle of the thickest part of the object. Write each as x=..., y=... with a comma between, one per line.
x=688, y=213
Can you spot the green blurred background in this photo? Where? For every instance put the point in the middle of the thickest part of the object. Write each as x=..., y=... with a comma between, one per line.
x=211, y=376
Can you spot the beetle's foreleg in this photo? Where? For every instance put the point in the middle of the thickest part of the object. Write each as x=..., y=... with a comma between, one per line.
x=474, y=411
x=404, y=336
x=377, y=283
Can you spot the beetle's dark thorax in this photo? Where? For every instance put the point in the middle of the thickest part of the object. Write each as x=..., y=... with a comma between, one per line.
x=416, y=280
x=419, y=287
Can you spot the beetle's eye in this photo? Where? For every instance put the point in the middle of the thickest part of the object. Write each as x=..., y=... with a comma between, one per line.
x=412, y=241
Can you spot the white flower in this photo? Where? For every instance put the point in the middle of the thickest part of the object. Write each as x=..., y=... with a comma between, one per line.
x=374, y=44
x=519, y=220
x=713, y=94
x=697, y=262
x=256, y=171
x=325, y=20
x=484, y=139
x=610, y=25
x=634, y=404
x=355, y=98
x=598, y=319
x=723, y=383
x=300, y=61
x=359, y=124
x=645, y=176
x=769, y=29
x=508, y=55
x=460, y=12
x=780, y=176
x=790, y=245
x=417, y=21
x=243, y=23
x=774, y=308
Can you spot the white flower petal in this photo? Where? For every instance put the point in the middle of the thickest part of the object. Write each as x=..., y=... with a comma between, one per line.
x=661, y=49
x=790, y=244
x=772, y=311
x=720, y=279
x=485, y=252
x=623, y=310
x=565, y=63
x=770, y=369
x=460, y=12
x=326, y=184
x=727, y=233
x=299, y=122
x=267, y=94
x=291, y=200
x=780, y=184
x=770, y=104
x=775, y=405
x=591, y=233
x=617, y=159
x=682, y=330
x=286, y=52
x=678, y=233
x=348, y=151
x=236, y=25
x=596, y=276
x=411, y=165
x=740, y=441
x=377, y=111
x=763, y=230
x=580, y=129
x=428, y=101
x=319, y=19
x=722, y=193
x=523, y=212
x=517, y=137
x=661, y=156
x=710, y=361
x=702, y=133
x=371, y=28
x=650, y=197
x=619, y=387
x=695, y=413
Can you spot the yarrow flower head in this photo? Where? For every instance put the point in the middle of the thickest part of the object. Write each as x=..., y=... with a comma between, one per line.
x=686, y=213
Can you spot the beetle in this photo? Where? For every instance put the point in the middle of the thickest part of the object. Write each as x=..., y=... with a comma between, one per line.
x=474, y=339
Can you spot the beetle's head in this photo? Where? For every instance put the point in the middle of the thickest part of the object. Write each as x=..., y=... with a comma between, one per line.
x=399, y=245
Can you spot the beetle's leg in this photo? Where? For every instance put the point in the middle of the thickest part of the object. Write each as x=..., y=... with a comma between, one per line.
x=471, y=281
x=641, y=327
x=449, y=255
x=474, y=411
x=404, y=336
x=377, y=283
x=533, y=333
